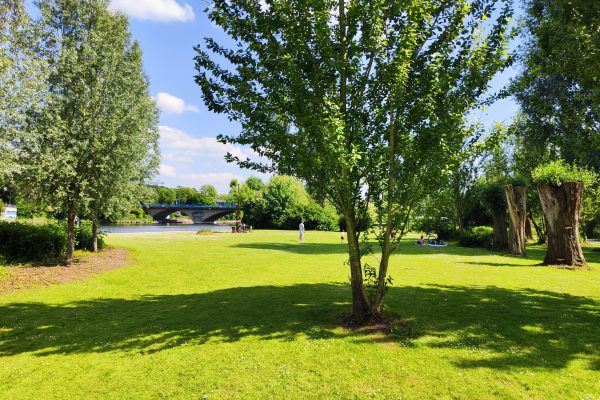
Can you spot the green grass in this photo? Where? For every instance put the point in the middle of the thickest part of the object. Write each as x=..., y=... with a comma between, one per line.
x=256, y=317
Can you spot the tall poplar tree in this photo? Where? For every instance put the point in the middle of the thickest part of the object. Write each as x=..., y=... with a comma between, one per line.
x=365, y=101
x=97, y=133
x=21, y=78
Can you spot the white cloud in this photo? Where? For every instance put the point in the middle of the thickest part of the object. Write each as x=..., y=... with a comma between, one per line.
x=220, y=180
x=167, y=170
x=172, y=104
x=154, y=10
x=190, y=161
x=179, y=142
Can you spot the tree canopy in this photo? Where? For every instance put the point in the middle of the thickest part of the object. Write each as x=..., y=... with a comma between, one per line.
x=363, y=101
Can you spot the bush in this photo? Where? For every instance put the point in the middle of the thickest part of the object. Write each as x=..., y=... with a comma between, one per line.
x=596, y=232
x=31, y=243
x=83, y=237
x=479, y=236
x=39, y=243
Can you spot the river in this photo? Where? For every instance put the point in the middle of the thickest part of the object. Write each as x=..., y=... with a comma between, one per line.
x=149, y=228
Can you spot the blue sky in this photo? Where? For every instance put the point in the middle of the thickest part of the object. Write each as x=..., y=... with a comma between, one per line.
x=168, y=30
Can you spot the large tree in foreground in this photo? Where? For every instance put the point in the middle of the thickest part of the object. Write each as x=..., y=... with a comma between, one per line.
x=96, y=134
x=560, y=188
x=365, y=101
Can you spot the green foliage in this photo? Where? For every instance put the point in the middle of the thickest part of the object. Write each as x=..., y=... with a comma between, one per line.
x=184, y=195
x=84, y=236
x=559, y=172
x=437, y=216
x=94, y=142
x=559, y=89
x=479, y=236
x=365, y=102
x=44, y=242
x=493, y=195
x=31, y=243
x=282, y=203
x=371, y=281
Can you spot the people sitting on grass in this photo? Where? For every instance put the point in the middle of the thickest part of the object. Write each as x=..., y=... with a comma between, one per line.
x=430, y=242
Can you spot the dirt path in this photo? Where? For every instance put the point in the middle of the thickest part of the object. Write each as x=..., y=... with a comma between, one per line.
x=23, y=277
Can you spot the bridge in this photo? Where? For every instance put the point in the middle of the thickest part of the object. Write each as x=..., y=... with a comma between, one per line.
x=200, y=213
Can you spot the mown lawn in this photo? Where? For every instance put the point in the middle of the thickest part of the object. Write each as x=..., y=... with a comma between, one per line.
x=256, y=316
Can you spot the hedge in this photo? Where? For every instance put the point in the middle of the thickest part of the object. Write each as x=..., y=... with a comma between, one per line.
x=39, y=243
x=479, y=236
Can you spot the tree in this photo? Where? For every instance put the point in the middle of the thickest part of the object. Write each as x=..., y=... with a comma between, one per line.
x=208, y=194
x=560, y=188
x=559, y=89
x=516, y=198
x=495, y=199
x=96, y=135
x=124, y=152
x=363, y=101
x=21, y=77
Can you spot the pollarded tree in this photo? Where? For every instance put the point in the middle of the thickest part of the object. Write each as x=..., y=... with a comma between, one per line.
x=364, y=101
x=516, y=199
x=495, y=200
x=96, y=135
x=560, y=188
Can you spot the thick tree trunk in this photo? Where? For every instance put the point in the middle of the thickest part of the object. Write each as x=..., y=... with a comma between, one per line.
x=517, y=212
x=562, y=206
x=499, y=221
x=360, y=303
x=528, y=230
x=70, y=235
x=94, y=236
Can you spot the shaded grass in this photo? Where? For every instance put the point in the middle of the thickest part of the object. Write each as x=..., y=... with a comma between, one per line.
x=257, y=316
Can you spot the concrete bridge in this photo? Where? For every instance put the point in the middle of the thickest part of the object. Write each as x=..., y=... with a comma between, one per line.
x=200, y=213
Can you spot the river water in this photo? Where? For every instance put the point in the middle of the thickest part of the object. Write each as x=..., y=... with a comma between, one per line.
x=148, y=228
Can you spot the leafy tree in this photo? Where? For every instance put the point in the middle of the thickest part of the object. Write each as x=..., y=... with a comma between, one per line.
x=364, y=101
x=559, y=89
x=21, y=77
x=208, y=194
x=96, y=136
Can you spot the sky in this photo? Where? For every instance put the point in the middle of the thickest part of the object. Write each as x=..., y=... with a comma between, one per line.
x=190, y=155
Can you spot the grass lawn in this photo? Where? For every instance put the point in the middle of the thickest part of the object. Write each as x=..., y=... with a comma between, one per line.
x=256, y=316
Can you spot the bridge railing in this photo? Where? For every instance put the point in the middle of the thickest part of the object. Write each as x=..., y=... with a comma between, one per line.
x=180, y=206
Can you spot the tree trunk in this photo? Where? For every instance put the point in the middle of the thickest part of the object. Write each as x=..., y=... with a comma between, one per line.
x=94, y=236
x=539, y=230
x=70, y=235
x=499, y=220
x=562, y=206
x=517, y=211
x=528, y=230
x=360, y=303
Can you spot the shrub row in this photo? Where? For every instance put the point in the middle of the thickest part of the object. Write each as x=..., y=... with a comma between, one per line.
x=39, y=243
x=479, y=236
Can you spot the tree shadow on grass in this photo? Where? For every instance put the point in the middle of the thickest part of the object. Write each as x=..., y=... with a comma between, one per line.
x=511, y=328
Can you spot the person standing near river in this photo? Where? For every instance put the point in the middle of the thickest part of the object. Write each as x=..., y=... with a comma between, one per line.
x=301, y=230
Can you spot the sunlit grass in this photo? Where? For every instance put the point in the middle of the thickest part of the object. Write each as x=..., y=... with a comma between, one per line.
x=256, y=316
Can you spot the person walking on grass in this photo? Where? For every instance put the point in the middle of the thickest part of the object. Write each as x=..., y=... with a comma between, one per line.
x=301, y=230
x=342, y=237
